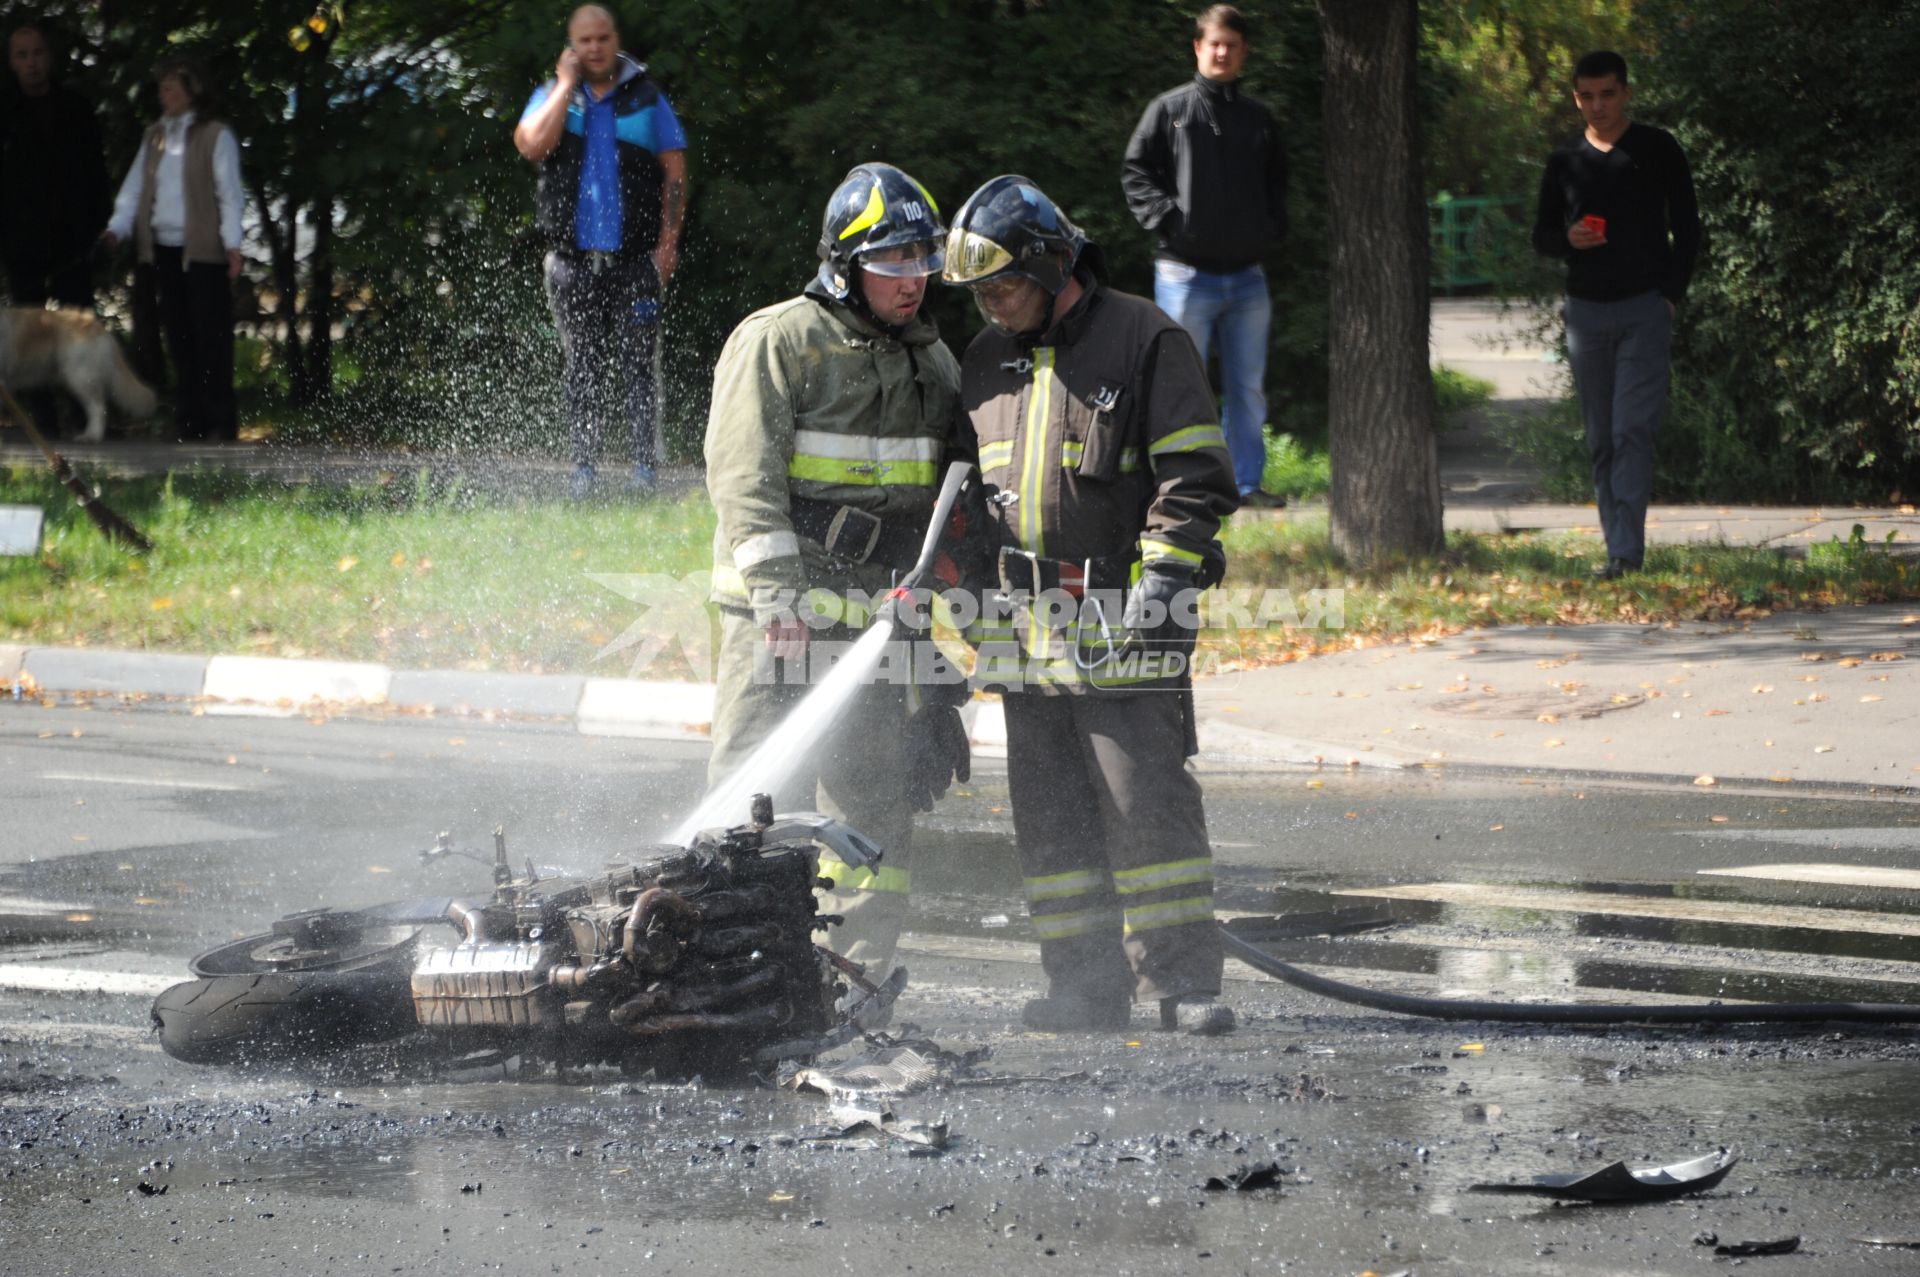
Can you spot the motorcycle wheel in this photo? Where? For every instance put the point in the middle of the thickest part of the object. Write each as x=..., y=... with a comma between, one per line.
x=268, y=1017
x=319, y=982
x=314, y=940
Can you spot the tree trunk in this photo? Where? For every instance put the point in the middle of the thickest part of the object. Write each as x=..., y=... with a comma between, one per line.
x=317, y=371
x=1385, y=500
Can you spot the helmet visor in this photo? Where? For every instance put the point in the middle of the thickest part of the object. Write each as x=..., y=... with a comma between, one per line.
x=972, y=256
x=904, y=261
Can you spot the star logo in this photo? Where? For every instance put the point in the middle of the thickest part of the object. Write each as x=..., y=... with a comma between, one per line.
x=674, y=623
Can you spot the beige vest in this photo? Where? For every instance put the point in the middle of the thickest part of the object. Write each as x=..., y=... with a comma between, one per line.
x=203, y=209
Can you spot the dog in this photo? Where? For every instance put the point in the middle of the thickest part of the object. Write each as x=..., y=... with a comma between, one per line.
x=70, y=348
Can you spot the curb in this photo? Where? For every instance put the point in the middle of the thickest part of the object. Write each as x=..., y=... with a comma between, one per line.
x=277, y=687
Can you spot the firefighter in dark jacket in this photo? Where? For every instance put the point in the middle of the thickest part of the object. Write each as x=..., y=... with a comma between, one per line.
x=1107, y=476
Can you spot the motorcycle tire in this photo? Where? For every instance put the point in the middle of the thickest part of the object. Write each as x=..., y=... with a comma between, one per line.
x=315, y=940
x=282, y=1017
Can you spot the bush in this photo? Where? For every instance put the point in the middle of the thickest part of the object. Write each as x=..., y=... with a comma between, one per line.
x=1797, y=362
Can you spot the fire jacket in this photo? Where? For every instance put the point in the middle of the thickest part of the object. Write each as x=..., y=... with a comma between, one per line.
x=1102, y=439
x=813, y=402
x=1204, y=170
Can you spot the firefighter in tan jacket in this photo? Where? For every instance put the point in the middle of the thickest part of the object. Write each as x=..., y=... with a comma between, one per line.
x=1099, y=443
x=832, y=413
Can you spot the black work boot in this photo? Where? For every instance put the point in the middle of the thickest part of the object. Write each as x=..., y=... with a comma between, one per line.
x=1072, y=1012
x=1196, y=1013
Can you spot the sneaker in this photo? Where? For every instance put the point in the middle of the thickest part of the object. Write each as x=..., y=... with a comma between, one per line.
x=1199, y=1015
x=1077, y=1013
x=580, y=485
x=644, y=480
x=1259, y=499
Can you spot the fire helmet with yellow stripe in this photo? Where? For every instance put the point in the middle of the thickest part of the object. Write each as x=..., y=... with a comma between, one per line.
x=1010, y=227
x=880, y=220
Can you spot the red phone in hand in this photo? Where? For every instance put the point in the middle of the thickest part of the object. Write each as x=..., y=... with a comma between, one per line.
x=1598, y=225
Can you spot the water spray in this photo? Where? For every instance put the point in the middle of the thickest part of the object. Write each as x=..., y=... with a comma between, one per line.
x=784, y=750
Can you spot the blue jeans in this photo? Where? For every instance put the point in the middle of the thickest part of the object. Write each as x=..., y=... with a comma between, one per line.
x=1619, y=353
x=1237, y=310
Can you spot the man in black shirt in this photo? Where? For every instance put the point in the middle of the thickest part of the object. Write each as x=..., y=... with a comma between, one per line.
x=53, y=181
x=1617, y=202
x=1206, y=173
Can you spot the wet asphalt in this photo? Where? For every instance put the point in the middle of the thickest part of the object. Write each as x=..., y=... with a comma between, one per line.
x=134, y=839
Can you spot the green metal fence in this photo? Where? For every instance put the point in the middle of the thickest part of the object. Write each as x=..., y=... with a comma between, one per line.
x=1474, y=239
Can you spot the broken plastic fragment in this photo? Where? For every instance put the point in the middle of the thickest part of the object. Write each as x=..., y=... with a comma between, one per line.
x=1616, y=1183
x=1246, y=1179
x=1784, y=1246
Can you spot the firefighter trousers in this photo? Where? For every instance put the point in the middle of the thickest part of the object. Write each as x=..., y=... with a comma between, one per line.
x=1113, y=843
x=857, y=773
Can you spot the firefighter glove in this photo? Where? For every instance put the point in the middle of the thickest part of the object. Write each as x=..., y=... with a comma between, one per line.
x=1163, y=609
x=937, y=754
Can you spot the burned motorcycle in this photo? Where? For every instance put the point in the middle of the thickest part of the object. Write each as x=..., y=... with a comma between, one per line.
x=696, y=959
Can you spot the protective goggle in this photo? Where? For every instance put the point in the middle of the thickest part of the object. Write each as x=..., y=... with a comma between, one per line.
x=904, y=261
x=972, y=256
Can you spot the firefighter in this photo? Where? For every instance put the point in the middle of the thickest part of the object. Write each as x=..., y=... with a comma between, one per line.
x=832, y=413
x=1107, y=477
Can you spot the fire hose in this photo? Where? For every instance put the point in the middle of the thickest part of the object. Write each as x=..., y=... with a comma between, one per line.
x=1566, y=1013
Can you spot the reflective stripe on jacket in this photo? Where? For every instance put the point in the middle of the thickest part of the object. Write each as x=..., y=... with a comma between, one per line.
x=811, y=399
x=1103, y=441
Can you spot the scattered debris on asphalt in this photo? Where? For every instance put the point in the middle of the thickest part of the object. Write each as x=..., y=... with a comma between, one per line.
x=1617, y=1183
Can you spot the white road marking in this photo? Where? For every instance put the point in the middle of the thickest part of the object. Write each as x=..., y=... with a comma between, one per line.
x=18, y=975
x=1837, y=875
x=141, y=780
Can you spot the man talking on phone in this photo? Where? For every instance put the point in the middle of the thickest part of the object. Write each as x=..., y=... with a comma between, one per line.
x=612, y=196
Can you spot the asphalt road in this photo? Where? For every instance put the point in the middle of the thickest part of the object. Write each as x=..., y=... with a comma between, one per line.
x=135, y=838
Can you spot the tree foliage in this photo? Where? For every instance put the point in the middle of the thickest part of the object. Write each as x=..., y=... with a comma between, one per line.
x=1801, y=340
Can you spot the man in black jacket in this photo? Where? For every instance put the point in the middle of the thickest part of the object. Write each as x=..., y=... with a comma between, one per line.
x=613, y=191
x=53, y=181
x=1617, y=203
x=1205, y=172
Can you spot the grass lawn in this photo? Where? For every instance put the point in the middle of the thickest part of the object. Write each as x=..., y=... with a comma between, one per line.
x=396, y=574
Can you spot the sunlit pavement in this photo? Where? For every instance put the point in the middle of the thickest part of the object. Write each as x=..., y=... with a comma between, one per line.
x=137, y=837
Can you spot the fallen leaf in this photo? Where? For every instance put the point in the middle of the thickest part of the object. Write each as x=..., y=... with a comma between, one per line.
x=398, y=560
x=81, y=837
x=1762, y=688
x=348, y=563
x=456, y=740
x=1494, y=829
x=1849, y=663
x=1888, y=656
x=378, y=869
x=232, y=759
x=161, y=604
x=1316, y=784
x=779, y=1197
x=1703, y=780
x=1823, y=749
x=1718, y=820
x=1547, y=718
x=1716, y=713
x=1868, y=700
x=1817, y=696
